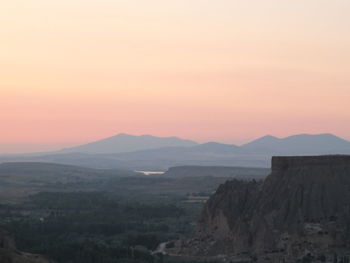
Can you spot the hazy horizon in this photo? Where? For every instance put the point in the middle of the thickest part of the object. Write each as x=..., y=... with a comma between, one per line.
x=228, y=71
x=246, y=104
x=18, y=148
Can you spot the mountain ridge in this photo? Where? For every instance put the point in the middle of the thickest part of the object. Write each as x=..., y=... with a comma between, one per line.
x=324, y=143
x=256, y=153
x=303, y=143
x=123, y=142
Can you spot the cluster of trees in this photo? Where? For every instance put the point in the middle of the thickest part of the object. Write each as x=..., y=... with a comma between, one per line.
x=92, y=227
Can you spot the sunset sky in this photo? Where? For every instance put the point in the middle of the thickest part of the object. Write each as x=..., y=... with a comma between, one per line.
x=73, y=71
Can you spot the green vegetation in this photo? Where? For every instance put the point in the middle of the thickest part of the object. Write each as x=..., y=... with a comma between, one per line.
x=92, y=227
x=79, y=215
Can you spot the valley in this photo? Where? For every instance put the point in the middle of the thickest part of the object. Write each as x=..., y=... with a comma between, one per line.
x=149, y=213
x=75, y=214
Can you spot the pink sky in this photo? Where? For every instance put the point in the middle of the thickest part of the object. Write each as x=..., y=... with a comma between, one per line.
x=73, y=71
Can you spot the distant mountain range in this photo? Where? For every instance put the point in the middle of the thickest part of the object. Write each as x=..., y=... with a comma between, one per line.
x=128, y=143
x=296, y=144
x=154, y=153
x=299, y=144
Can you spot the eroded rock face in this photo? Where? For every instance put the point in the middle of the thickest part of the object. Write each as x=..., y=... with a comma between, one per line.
x=300, y=211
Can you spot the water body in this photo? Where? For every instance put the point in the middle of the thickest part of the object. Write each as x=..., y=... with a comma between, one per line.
x=150, y=172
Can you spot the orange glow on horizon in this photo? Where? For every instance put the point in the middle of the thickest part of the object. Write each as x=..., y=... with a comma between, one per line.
x=229, y=71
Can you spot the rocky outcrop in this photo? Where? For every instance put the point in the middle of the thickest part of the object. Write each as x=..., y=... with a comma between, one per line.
x=300, y=212
x=9, y=253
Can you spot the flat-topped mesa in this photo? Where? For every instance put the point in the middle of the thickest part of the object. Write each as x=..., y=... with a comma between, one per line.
x=286, y=162
x=309, y=171
x=306, y=189
x=301, y=210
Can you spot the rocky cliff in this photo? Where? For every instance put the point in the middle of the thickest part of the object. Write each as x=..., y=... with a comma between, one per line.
x=300, y=212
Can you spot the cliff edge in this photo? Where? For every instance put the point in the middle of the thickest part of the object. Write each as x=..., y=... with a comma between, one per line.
x=300, y=212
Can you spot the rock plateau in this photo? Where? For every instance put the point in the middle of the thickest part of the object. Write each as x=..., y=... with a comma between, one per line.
x=300, y=212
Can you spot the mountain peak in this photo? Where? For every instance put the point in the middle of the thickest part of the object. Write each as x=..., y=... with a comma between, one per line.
x=268, y=137
x=325, y=143
x=312, y=135
x=123, y=135
x=123, y=142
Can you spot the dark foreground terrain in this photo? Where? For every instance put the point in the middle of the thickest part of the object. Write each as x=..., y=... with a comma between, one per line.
x=300, y=213
x=58, y=213
x=81, y=215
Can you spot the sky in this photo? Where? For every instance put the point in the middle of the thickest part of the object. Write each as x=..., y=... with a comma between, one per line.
x=74, y=71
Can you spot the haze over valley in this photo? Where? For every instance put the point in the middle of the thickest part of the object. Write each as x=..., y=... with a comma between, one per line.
x=175, y=131
x=150, y=153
